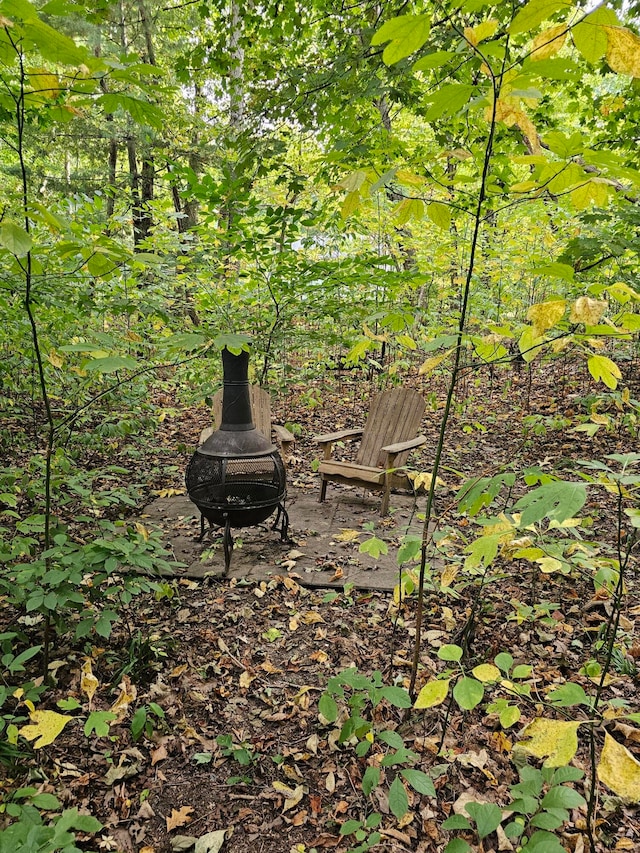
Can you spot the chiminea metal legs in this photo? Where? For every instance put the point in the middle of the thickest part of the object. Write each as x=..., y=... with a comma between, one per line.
x=281, y=524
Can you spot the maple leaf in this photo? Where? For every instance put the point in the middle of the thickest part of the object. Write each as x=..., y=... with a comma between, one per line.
x=179, y=817
x=46, y=727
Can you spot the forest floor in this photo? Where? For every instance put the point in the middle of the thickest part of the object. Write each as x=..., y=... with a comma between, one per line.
x=239, y=758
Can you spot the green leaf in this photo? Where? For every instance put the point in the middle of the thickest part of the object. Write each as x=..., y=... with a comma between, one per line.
x=15, y=239
x=374, y=547
x=350, y=826
x=449, y=99
x=398, y=800
x=567, y=695
x=439, y=214
x=406, y=34
x=419, y=781
x=183, y=341
x=534, y=13
x=98, y=722
x=450, y=652
x=328, y=708
x=562, y=797
x=396, y=696
x=370, y=780
x=111, y=364
x=468, y=693
x=504, y=661
x=457, y=845
x=555, y=501
x=142, y=112
x=486, y=815
x=456, y=821
x=544, y=842
x=433, y=60
x=46, y=801
x=409, y=550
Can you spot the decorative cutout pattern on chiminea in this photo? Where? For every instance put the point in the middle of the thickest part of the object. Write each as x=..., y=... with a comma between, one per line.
x=237, y=477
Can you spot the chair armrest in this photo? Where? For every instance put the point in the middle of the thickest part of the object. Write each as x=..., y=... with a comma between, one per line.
x=401, y=446
x=283, y=434
x=330, y=437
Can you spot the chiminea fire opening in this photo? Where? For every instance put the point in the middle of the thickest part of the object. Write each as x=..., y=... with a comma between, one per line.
x=237, y=477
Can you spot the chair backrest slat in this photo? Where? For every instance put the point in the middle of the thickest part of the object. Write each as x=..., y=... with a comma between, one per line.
x=260, y=409
x=394, y=415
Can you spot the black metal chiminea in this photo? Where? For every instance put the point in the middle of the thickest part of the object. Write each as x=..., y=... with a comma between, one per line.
x=237, y=477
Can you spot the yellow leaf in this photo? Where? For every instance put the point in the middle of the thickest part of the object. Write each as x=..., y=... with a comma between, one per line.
x=549, y=42
x=347, y=535
x=545, y=315
x=433, y=693
x=55, y=358
x=354, y=181
x=548, y=565
x=406, y=177
x=619, y=770
x=88, y=682
x=430, y=364
x=409, y=208
x=486, y=672
x=591, y=192
x=475, y=35
x=623, y=51
x=127, y=695
x=601, y=367
x=587, y=310
x=530, y=344
x=554, y=740
x=350, y=204
x=46, y=727
x=142, y=530
x=449, y=574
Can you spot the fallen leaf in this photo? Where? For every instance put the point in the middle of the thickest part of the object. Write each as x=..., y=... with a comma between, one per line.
x=347, y=535
x=179, y=817
x=619, y=770
x=88, y=682
x=554, y=740
x=158, y=754
x=127, y=695
x=337, y=575
x=46, y=727
x=211, y=842
x=246, y=679
x=182, y=843
x=179, y=670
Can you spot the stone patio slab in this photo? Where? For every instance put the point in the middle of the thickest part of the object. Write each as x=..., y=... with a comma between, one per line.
x=325, y=547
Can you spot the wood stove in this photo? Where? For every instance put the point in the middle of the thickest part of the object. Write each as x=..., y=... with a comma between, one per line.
x=237, y=477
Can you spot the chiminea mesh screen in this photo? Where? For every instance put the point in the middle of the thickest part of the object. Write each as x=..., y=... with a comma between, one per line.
x=243, y=491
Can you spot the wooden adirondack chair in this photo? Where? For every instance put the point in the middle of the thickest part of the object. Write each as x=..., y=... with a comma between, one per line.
x=261, y=411
x=389, y=434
